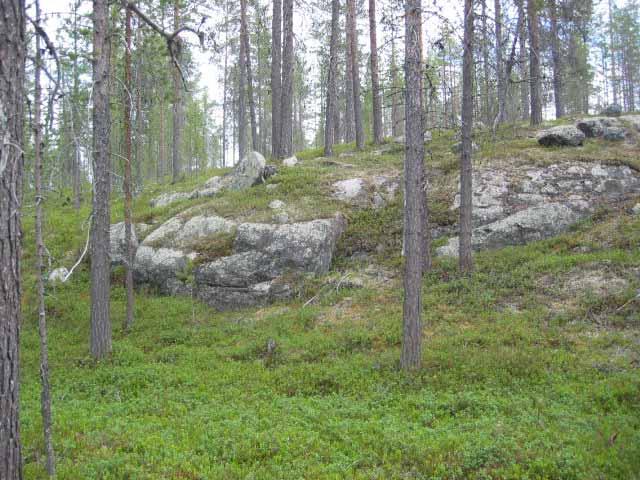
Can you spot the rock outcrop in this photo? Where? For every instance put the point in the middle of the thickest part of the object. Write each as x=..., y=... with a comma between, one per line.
x=249, y=171
x=373, y=192
x=518, y=204
x=261, y=266
x=562, y=136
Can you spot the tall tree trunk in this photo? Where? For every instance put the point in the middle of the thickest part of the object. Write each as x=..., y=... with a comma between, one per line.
x=12, y=59
x=615, y=85
x=178, y=100
x=397, y=120
x=139, y=112
x=465, y=255
x=378, y=133
x=413, y=178
x=74, y=113
x=486, y=91
x=246, y=46
x=332, y=94
x=276, y=77
x=242, y=106
x=162, y=147
x=45, y=396
x=355, y=73
x=557, y=60
x=128, y=109
x=349, y=122
x=522, y=60
x=534, y=64
x=286, y=110
x=225, y=86
x=502, y=81
x=100, y=260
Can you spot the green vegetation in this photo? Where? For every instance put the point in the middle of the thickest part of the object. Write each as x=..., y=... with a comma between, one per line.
x=522, y=378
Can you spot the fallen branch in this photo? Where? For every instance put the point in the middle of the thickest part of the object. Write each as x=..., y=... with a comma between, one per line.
x=86, y=248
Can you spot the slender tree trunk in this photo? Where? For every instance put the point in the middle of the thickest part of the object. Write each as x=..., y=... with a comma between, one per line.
x=276, y=77
x=12, y=60
x=355, y=73
x=244, y=33
x=286, y=110
x=242, y=95
x=162, y=157
x=557, y=61
x=522, y=51
x=413, y=178
x=349, y=122
x=378, y=133
x=45, y=396
x=225, y=87
x=139, y=112
x=465, y=255
x=397, y=119
x=502, y=81
x=128, y=108
x=486, y=104
x=614, y=71
x=534, y=64
x=332, y=94
x=100, y=260
x=74, y=113
x=178, y=101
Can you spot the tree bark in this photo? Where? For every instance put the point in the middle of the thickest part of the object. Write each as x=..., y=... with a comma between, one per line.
x=522, y=60
x=100, y=260
x=557, y=60
x=486, y=103
x=534, y=64
x=242, y=94
x=286, y=109
x=413, y=178
x=128, y=109
x=45, y=396
x=225, y=87
x=246, y=46
x=178, y=101
x=276, y=77
x=332, y=94
x=378, y=133
x=614, y=71
x=397, y=128
x=465, y=255
x=74, y=114
x=355, y=73
x=502, y=81
x=139, y=113
x=12, y=59
x=349, y=122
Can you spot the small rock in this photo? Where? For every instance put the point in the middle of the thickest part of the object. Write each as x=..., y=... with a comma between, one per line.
x=272, y=186
x=281, y=217
x=636, y=209
x=614, y=134
x=565, y=135
x=399, y=139
x=290, y=162
x=269, y=171
x=348, y=189
x=346, y=155
x=613, y=110
x=428, y=136
x=276, y=205
x=59, y=275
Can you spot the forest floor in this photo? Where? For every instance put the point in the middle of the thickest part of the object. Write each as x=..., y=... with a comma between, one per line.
x=524, y=376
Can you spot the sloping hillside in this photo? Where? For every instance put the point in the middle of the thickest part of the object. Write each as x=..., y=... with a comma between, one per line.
x=530, y=366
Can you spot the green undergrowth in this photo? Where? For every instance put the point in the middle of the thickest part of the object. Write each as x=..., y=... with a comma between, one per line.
x=521, y=379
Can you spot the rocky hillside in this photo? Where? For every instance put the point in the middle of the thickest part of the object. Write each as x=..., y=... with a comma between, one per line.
x=530, y=365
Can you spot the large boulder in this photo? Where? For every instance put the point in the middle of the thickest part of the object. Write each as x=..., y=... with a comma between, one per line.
x=595, y=126
x=373, y=192
x=118, y=246
x=516, y=204
x=262, y=265
x=614, y=134
x=247, y=172
x=633, y=120
x=169, y=198
x=562, y=136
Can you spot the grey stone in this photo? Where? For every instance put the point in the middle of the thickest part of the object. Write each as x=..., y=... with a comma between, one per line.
x=534, y=223
x=59, y=275
x=613, y=110
x=181, y=232
x=118, y=247
x=350, y=189
x=290, y=162
x=565, y=135
x=247, y=172
x=157, y=266
x=276, y=205
x=633, y=120
x=595, y=126
x=269, y=171
x=169, y=198
x=428, y=136
x=636, y=209
x=614, y=134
